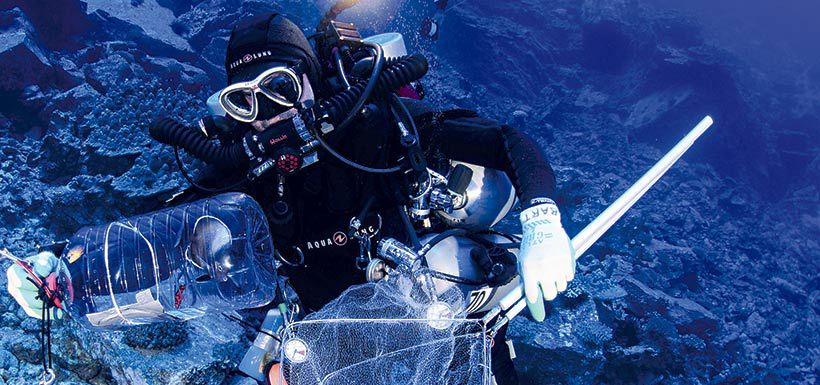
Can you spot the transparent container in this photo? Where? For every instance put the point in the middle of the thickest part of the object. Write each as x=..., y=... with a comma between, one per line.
x=209, y=256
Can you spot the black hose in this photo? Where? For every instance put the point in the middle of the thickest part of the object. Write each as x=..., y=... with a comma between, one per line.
x=340, y=104
x=396, y=73
x=432, y=242
x=454, y=278
x=440, y=237
x=337, y=57
x=171, y=132
x=200, y=187
x=345, y=104
x=372, y=83
x=403, y=71
x=411, y=231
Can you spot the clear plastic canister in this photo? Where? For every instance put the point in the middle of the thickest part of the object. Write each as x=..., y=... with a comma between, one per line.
x=208, y=256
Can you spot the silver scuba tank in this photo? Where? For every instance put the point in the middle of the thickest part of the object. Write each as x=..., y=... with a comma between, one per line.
x=489, y=198
x=451, y=256
x=392, y=44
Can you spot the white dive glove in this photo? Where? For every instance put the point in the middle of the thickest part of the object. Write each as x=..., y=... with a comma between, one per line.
x=546, y=261
x=24, y=291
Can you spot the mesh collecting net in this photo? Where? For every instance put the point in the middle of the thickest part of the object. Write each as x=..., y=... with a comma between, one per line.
x=388, y=332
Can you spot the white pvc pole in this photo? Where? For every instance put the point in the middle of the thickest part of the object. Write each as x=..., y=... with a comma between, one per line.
x=513, y=302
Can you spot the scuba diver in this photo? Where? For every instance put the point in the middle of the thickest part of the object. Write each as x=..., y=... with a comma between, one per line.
x=328, y=182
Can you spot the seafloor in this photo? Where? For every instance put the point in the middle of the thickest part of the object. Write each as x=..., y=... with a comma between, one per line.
x=711, y=278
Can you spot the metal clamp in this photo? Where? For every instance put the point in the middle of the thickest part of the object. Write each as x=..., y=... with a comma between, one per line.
x=289, y=263
x=364, y=239
x=48, y=377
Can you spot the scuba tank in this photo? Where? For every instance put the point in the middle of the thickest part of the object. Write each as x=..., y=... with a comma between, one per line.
x=468, y=256
x=488, y=198
x=211, y=255
x=481, y=266
x=392, y=43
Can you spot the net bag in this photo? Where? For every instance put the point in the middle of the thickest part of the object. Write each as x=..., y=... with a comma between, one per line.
x=388, y=332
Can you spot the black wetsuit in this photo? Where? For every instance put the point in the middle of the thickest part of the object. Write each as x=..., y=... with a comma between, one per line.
x=323, y=198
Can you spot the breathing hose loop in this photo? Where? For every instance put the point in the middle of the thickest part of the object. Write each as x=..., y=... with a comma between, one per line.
x=397, y=72
x=339, y=109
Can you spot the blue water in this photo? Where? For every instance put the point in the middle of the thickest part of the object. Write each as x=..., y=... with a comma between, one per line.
x=712, y=278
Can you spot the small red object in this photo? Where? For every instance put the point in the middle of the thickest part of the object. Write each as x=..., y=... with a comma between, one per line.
x=180, y=294
x=407, y=91
x=51, y=285
x=288, y=163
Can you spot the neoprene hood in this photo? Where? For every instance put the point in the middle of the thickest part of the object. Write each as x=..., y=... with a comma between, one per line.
x=257, y=42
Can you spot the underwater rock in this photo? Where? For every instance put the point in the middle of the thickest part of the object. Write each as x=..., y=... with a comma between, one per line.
x=652, y=107
x=163, y=335
x=60, y=24
x=72, y=357
x=78, y=99
x=23, y=61
x=567, y=347
x=107, y=72
x=173, y=71
x=686, y=314
x=150, y=18
x=62, y=157
x=590, y=98
x=7, y=360
x=24, y=347
x=226, y=358
x=519, y=117
x=210, y=343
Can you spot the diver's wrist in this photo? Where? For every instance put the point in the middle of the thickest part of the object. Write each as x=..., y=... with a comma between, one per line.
x=546, y=212
x=526, y=204
x=252, y=145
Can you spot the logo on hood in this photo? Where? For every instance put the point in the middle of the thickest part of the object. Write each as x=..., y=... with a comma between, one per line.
x=249, y=58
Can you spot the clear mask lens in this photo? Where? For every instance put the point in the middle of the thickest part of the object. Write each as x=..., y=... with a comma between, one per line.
x=281, y=87
x=239, y=103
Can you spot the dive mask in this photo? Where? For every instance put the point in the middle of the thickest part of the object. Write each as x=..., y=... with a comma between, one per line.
x=280, y=85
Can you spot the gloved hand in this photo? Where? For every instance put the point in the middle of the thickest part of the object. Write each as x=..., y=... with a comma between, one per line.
x=25, y=292
x=546, y=261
